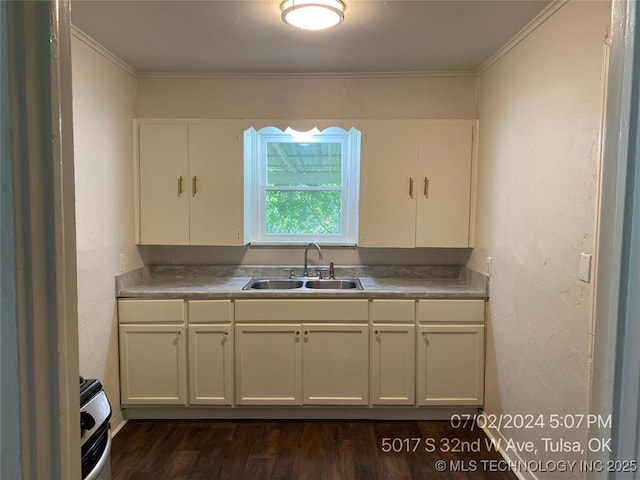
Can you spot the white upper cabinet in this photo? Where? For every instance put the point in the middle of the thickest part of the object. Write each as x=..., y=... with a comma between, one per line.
x=215, y=171
x=417, y=183
x=444, y=190
x=387, y=198
x=190, y=178
x=164, y=169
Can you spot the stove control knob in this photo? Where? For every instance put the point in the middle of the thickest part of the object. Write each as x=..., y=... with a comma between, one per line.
x=86, y=422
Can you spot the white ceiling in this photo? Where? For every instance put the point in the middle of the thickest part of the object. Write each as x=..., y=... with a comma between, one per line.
x=248, y=36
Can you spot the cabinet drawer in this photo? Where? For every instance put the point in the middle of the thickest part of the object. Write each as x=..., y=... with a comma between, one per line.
x=210, y=311
x=151, y=311
x=451, y=310
x=393, y=310
x=302, y=310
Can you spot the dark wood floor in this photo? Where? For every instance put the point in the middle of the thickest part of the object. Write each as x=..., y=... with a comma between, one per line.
x=314, y=450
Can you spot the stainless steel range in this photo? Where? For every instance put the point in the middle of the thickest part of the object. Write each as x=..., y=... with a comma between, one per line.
x=95, y=431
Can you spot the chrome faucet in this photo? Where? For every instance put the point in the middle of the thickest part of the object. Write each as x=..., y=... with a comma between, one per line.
x=305, y=272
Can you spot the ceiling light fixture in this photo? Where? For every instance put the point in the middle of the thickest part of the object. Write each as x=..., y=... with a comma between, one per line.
x=312, y=14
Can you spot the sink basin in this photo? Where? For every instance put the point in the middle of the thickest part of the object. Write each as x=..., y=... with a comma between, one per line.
x=333, y=284
x=294, y=283
x=273, y=284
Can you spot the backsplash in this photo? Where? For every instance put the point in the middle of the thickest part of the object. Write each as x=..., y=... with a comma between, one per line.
x=293, y=256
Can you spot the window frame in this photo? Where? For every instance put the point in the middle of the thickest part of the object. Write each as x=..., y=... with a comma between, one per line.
x=255, y=166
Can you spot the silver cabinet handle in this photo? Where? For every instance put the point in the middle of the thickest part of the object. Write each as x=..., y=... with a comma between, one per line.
x=411, y=187
x=306, y=336
x=426, y=187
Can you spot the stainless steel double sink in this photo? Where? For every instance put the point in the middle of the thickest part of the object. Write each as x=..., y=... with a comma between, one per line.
x=259, y=283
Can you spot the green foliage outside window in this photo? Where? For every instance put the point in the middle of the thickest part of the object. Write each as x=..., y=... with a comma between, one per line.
x=300, y=212
x=303, y=194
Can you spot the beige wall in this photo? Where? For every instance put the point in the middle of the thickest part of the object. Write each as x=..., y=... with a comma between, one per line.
x=103, y=109
x=540, y=110
x=290, y=97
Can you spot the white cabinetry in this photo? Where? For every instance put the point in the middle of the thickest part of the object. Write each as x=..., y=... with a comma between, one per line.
x=451, y=352
x=393, y=352
x=291, y=352
x=190, y=183
x=268, y=364
x=416, y=183
x=388, y=171
x=152, y=352
x=335, y=364
x=210, y=352
x=163, y=171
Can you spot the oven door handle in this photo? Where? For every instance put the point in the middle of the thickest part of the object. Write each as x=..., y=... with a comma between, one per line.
x=102, y=463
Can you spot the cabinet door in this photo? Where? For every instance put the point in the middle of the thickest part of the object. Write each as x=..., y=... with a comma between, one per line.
x=336, y=364
x=153, y=364
x=268, y=365
x=210, y=364
x=393, y=364
x=215, y=184
x=388, y=166
x=451, y=365
x=444, y=189
x=164, y=196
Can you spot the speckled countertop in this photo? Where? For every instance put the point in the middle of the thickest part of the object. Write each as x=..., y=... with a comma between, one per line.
x=222, y=281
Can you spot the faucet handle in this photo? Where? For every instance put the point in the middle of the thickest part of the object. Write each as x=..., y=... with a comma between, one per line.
x=320, y=272
x=292, y=272
x=332, y=271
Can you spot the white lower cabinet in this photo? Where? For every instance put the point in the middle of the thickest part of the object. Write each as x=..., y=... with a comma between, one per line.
x=302, y=352
x=335, y=361
x=451, y=365
x=211, y=364
x=393, y=347
x=210, y=352
x=268, y=364
x=302, y=364
x=152, y=364
x=393, y=364
x=153, y=352
x=450, y=352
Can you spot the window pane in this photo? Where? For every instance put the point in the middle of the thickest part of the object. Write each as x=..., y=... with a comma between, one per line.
x=310, y=164
x=295, y=212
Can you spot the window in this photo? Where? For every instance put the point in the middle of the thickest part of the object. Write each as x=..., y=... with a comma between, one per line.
x=302, y=186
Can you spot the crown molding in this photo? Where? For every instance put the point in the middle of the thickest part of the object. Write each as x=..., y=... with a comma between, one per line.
x=323, y=75
x=531, y=27
x=87, y=40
